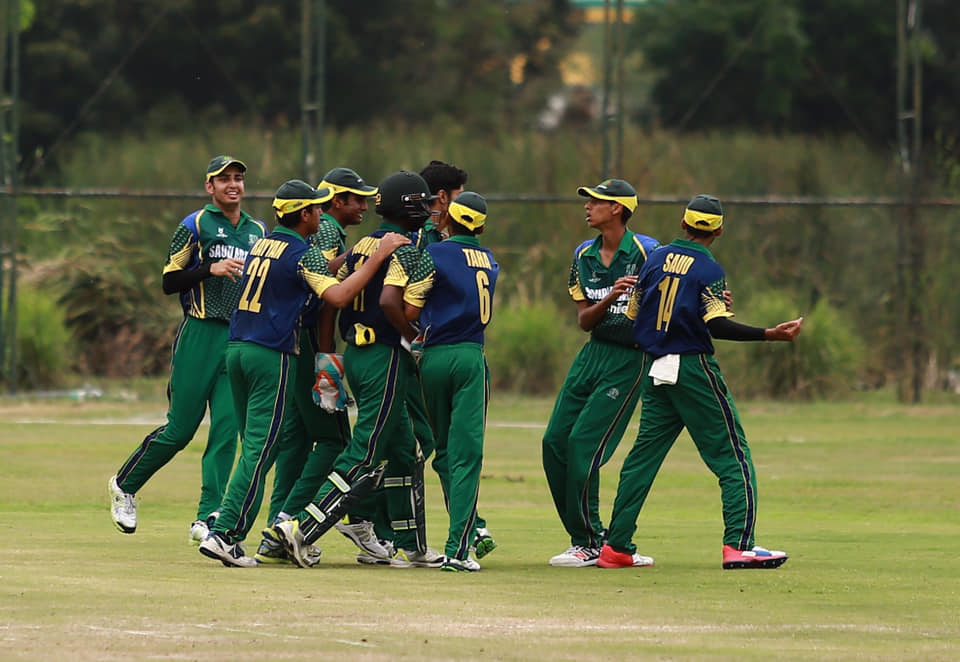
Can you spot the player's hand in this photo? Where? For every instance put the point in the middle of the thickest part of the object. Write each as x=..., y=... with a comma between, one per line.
x=624, y=284
x=786, y=331
x=391, y=242
x=230, y=267
x=728, y=299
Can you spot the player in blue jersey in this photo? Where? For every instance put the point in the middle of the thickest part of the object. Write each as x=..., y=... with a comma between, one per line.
x=203, y=266
x=452, y=294
x=602, y=386
x=281, y=275
x=679, y=309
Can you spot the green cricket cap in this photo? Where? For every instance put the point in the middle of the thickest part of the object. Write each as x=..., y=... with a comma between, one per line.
x=469, y=209
x=220, y=163
x=343, y=180
x=296, y=194
x=704, y=212
x=614, y=190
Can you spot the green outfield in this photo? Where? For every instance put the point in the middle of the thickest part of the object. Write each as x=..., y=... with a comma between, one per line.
x=864, y=496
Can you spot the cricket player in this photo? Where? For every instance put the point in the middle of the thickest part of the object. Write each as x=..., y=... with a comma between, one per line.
x=602, y=386
x=452, y=294
x=203, y=265
x=679, y=309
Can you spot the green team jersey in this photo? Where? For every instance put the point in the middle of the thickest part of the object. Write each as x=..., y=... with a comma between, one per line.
x=204, y=237
x=330, y=237
x=428, y=234
x=591, y=281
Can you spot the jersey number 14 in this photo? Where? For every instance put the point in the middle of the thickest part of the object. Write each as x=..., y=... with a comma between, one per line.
x=668, y=298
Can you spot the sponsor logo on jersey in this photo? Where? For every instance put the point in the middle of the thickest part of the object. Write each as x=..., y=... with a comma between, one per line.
x=594, y=278
x=253, y=238
x=613, y=393
x=596, y=294
x=220, y=251
x=220, y=233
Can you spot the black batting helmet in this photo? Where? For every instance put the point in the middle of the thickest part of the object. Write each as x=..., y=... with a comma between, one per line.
x=403, y=196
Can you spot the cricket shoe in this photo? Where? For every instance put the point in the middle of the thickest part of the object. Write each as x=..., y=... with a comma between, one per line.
x=576, y=556
x=451, y=564
x=484, y=543
x=217, y=547
x=123, y=507
x=758, y=557
x=416, y=559
x=293, y=541
x=363, y=536
x=611, y=558
x=271, y=551
x=363, y=557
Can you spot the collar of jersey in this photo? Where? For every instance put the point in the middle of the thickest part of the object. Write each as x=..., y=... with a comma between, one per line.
x=330, y=219
x=693, y=246
x=387, y=226
x=213, y=209
x=626, y=245
x=464, y=239
x=282, y=229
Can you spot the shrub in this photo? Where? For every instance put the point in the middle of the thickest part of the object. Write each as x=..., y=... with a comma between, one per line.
x=529, y=346
x=825, y=360
x=45, y=347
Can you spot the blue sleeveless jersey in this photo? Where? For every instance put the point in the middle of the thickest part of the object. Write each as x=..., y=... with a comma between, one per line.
x=454, y=286
x=679, y=290
x=282, y=274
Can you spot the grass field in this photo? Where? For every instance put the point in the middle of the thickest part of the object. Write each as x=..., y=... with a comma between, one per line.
x=863, y=495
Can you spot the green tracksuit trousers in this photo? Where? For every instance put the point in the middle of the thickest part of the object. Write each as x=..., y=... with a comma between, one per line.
x=198, y=378
x=259, y=379
x=379, y=376
x=700, y=402
x=456, y=390
x=591, y=413
x=310, y=440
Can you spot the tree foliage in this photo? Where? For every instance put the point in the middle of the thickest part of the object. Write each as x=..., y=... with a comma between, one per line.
x=795, y=65
x=115, y=65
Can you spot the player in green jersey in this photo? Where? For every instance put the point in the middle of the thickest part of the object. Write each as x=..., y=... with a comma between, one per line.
x=602, y=387
x=680, y=308
x=203, y=265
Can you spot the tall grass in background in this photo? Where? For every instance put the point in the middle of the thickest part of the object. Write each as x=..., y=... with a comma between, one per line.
x=843, y=256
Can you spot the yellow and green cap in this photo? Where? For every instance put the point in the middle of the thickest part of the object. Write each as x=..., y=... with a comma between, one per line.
x=296, y=194
x=345, y=180
x=469, y=209
x=220, y=163
x=704, y=212
x=614, y=190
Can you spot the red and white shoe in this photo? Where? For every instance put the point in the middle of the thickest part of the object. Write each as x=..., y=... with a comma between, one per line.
x=758, y=557
x=610, y=558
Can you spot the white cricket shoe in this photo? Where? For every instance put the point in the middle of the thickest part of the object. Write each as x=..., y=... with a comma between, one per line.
x=363, y=536
x=123, y=507
x=232, y=556
x=460, y=565
x=576, y=556
x=416, y=559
